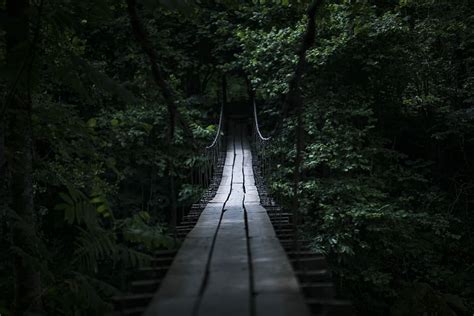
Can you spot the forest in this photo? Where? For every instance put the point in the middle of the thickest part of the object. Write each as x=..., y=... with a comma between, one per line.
x=107, y=108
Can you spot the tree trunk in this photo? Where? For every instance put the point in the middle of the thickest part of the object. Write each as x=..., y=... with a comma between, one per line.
x=28, y=290
x=20, y=144
x=3, y=184
x=294, y=102
x=192, y=83
x=293, y=96
x=224, y=90
x=297, y=172
x=173, y=201
x=3, y=167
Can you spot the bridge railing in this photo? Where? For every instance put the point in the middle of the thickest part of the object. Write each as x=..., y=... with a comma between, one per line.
x=213, y=151
x=209, y=157
x=261, y=146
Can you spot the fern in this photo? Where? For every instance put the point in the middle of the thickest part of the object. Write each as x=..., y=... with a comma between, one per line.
x=77, y=208
x=94, y=246
x=35, y=253
x=97, y=246
x=39, y=263
x=133, y=258
x=101, y=245
x=136, y=229
x=83, y=292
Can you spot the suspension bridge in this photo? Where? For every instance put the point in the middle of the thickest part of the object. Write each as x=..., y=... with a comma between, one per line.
x=240, y=252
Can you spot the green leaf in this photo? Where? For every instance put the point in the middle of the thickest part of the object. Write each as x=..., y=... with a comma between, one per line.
x=102, y=208
x=92, y=122
x=97, y=199
x=66, y=198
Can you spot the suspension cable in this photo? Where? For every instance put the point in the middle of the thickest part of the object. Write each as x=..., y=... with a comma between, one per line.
x=257, y=127
x=219, y=129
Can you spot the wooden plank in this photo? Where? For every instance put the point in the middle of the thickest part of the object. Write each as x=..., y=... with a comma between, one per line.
x=176, y=306
x=275, y=284
x=220, y=198
x=226, y=171
x=226, y=180
x=249, y=180
x=272, y=270
x=248, y=170
x=259, y=225
x=193, y=251
x=229, y=160
x=277, y=304
x=223, y=189
x=252, y=198
x=228, y=285
x=180, y=289
x=237, y=304
x=235, y=198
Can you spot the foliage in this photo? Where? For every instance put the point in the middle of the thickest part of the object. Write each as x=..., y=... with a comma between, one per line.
x=384, y=191
x=386, y=188
x=101, y=173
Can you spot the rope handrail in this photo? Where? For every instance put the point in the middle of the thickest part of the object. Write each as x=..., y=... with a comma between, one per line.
x=257, y=127
x=218, y=134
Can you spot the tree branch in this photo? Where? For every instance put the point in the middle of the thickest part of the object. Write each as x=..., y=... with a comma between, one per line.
x=158, y=76
x=293, y=98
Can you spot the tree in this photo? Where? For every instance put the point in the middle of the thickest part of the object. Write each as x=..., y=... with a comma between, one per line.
x=20, y=52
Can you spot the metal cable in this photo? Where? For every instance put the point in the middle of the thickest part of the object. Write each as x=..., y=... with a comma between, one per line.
x=216, y=138
x=257, y=128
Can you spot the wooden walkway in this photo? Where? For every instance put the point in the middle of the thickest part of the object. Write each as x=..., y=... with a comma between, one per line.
x=232, y=262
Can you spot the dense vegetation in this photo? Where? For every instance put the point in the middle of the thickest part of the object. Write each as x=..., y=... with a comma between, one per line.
x=106, y=106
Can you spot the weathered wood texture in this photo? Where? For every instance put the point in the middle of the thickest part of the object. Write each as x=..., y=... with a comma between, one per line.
x=231, y=263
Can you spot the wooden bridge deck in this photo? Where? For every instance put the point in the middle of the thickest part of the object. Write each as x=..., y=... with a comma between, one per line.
x=232, y=262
